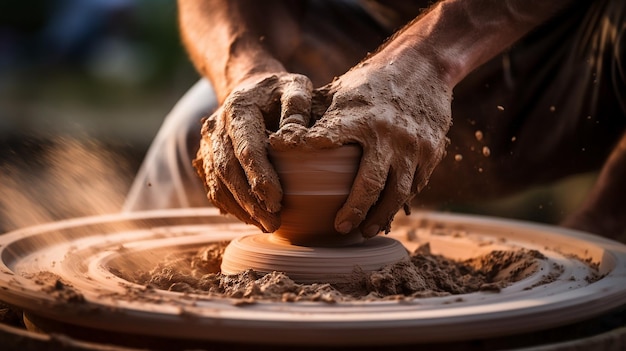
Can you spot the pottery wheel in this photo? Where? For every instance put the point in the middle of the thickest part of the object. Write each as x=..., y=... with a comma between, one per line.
x=267, y=253
x=65, y=273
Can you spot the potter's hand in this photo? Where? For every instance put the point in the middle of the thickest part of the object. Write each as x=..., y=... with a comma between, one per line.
x=401, y=125
x=396, y=103
x=400, y=119
x=232, y=159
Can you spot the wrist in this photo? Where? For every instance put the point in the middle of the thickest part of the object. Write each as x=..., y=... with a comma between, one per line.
x=418, y=59
x=240, y=67
x=415, y=81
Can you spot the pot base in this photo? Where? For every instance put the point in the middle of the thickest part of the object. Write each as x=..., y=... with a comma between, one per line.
x=304, y=264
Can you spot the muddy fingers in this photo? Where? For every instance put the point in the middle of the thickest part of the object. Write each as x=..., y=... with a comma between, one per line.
x=396, y=193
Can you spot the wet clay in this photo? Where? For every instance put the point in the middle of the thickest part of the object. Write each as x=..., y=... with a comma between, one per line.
x=423, y=274
x=316, y=184
x=55, y=286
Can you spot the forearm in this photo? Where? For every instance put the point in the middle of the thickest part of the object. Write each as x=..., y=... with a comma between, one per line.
x=460, y=35
x=229, y=40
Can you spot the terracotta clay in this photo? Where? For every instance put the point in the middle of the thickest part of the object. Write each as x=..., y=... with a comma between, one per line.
x=316, y=184
x=309, y=264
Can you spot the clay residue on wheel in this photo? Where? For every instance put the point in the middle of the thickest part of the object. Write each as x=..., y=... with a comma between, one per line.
x=56, y=287
x=423, y=274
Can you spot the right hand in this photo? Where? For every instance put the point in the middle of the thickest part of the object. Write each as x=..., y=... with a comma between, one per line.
x=232, y=159
x=399, y=114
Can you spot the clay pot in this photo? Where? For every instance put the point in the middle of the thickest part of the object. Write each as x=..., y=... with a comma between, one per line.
x=316, y=184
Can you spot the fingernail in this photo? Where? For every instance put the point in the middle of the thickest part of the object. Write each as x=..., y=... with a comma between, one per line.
x=273, y=207
x=345, y=227
x=371, y=231
x=296, y=118
x=268, y=227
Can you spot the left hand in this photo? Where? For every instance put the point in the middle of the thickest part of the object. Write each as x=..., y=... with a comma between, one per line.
x=232, y=159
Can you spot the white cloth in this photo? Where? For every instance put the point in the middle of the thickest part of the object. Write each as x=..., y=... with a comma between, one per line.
x=166, y=178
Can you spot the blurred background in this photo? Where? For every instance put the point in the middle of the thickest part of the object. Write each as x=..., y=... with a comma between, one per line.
x=85, y=85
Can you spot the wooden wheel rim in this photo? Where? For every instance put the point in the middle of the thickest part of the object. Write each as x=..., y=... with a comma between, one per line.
x=78, y=251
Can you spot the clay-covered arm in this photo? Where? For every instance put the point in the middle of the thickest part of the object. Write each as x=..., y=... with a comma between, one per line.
x=230, y=40
x=396, y=103
x=457, y=36
x=239, y=45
